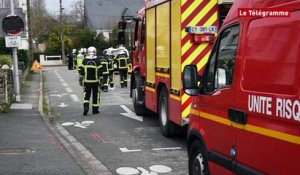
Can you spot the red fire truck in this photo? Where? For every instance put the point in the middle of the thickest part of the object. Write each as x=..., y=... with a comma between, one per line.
x=168, y=35
x=245, y=117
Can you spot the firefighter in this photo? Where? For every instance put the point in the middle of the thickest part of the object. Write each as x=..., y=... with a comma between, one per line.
x=79, y=58
x=104, y=71
x=108, y=53
x=122, y=64
x=70, y=60
x=90, y=71
x=111, y=70
x=74, y=55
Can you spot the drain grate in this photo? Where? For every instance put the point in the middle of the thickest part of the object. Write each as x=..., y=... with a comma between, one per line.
x=16, y=150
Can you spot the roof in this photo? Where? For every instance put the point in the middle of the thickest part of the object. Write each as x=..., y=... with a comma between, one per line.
x=105, y=14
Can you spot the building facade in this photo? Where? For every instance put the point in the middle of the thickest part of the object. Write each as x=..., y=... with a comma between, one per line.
x=104, y=15
x=6, y=4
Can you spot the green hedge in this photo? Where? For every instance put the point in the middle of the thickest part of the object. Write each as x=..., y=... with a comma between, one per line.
x=6, y=59
x=23, y=55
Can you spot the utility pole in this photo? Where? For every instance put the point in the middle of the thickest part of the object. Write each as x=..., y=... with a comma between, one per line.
x=62, y=33
x=15, y=62
x=28, y=6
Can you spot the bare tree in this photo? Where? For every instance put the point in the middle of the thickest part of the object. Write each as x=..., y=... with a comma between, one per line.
x=42, y=23
x=76, y=15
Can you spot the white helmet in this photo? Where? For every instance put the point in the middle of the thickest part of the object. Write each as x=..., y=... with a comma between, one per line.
x=74, y=51
x=92, y=51
x=121, y=54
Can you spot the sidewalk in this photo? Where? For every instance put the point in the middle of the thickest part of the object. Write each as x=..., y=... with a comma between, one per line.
x=27, y=145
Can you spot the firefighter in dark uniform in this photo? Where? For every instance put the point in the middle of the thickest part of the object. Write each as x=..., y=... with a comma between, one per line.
x=111, y=70
x=70, y=61
x=104, y=71
x=91, y=71
x=74, y=55
x=122, y=63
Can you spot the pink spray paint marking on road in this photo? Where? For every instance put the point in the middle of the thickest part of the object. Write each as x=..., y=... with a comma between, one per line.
x=55, y=141
x=96, y=136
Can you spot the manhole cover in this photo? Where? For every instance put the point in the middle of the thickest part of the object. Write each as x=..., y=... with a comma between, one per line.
x=16, y=150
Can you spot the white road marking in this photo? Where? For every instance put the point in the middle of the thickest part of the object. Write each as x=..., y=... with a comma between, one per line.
x=83, y=124
x=154, y=170
x=65, y=84
x=160, y=169
x=131, y=114
x=74, y=97
x=58, y=95
x=69, y=90
x=62, y=105
x=67, y=124
x=160, y=149
x=125, y=150
x=127, y=171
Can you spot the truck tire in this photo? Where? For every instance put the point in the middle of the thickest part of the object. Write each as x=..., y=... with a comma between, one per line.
x=198, y=164
x=138, y=108
x=166, y=126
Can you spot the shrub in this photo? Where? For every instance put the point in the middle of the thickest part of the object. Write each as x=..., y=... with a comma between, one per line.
x=5, y=59
x=23, y=57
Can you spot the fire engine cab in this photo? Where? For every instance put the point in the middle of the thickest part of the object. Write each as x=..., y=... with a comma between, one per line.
x=168, y=35
x=245, y=116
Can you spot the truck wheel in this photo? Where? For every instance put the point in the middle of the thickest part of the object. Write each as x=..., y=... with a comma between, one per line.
x=138, y=108
x=166, y=126
x=197, y=159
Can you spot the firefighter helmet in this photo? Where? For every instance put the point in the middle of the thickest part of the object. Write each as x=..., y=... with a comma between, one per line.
x=74, y=51
x=121, y=53
x=92, y=51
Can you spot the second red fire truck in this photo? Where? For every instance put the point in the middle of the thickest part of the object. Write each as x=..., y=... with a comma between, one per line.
x=168, y=35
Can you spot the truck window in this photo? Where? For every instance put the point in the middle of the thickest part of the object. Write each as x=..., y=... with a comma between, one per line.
x=143, y=34
x=136, y=27
x=222, y=62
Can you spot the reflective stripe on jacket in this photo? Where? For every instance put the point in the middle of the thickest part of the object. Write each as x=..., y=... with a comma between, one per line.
x=122, y=63
x=90, y=70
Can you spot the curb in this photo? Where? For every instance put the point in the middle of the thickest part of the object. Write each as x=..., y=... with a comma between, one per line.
x=89, y=163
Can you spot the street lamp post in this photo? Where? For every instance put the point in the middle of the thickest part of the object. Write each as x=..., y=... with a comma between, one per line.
x=62, y=34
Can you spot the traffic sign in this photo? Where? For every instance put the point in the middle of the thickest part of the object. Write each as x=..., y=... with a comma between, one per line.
x=36, y=66
x=13, y=25
x=13, y=41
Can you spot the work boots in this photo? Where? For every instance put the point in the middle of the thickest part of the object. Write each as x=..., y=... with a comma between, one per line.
x=85, y=108
x=95, y=110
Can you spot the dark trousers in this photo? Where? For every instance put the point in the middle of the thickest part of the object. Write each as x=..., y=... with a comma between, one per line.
x=104, y=82
x=70, y=65
x=91, y=88
x=111, y=78
x=123, y=77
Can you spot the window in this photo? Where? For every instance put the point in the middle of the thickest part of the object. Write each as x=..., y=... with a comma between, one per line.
x=222, y=62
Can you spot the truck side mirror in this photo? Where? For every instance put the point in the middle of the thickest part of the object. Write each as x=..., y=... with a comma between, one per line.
x=190, y=80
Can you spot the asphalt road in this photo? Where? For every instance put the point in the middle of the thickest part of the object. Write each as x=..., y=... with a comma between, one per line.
x=123, y=142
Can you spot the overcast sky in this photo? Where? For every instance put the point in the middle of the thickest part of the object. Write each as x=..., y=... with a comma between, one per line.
x=53, y=5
